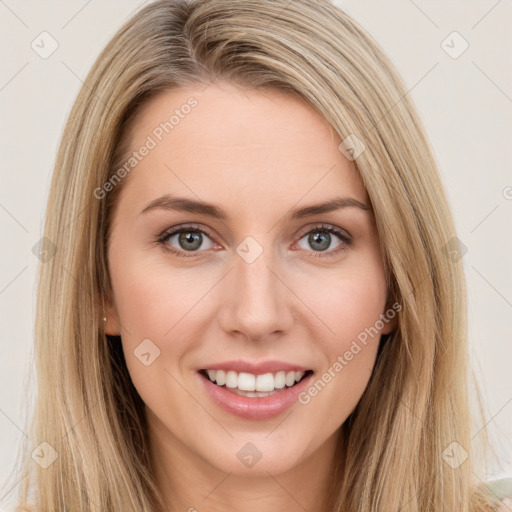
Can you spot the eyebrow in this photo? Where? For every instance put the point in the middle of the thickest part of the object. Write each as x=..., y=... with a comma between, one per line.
x=182, y=204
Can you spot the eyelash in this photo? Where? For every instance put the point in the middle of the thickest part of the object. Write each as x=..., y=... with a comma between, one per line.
x=345, y=239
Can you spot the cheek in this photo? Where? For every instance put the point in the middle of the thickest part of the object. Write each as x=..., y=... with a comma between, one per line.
x=166, y=306
x=351, y=305
x=151, y=298
x=349, y=301
x=158, y=304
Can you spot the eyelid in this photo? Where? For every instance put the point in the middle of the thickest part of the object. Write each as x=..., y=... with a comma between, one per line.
x=174, y=230
x=324, y=226
x=345, y=238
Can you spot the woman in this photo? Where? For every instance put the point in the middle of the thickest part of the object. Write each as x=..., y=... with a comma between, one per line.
x=254, y=302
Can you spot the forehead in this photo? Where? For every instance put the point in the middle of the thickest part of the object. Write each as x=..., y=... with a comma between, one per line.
x=224, y=141
x=223, y=110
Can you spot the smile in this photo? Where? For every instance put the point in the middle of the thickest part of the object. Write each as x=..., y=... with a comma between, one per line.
x=256, y=386
x=254, y=396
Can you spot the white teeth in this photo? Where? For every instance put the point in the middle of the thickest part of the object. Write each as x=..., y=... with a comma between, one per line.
x=265, y=382
x=280, y=380
x=247, y=382
x=220, y=377
x=259, y=383
x=290, y=378
x=231, y=379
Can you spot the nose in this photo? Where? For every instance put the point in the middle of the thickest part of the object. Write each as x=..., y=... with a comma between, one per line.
x=256, y=301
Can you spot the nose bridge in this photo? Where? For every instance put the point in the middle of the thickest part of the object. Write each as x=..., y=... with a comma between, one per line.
x=257, y=301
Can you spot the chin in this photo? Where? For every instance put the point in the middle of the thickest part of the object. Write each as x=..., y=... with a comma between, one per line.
x=257, y=455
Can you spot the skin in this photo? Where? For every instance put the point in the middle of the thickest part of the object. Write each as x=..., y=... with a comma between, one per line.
x=257, y=155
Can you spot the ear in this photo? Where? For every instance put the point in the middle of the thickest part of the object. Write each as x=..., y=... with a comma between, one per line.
x=390, y=325
x=390, y=316
x=112, y=325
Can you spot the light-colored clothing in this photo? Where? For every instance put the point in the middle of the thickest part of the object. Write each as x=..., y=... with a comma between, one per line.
x=502, y=488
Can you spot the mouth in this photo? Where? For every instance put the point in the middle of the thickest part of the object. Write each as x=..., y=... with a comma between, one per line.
x=255, y=385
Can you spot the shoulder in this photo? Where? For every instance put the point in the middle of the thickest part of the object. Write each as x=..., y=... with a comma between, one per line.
x=506, y=505
x=502, y=488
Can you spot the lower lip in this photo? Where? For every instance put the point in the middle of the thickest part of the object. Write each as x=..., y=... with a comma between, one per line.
x=257, y=408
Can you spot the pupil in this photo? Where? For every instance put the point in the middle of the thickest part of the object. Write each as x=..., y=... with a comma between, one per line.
x=323, y=238
x=194, y=240
x=190, y=238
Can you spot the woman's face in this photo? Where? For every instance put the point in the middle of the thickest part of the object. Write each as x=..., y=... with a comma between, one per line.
x=261, y=282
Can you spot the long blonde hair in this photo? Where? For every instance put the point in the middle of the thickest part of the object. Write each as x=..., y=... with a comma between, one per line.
x=417, y=401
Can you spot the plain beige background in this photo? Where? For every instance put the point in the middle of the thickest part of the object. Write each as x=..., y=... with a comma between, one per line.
x=465, y=102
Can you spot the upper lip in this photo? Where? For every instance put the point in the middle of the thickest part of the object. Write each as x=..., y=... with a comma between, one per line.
x=255, y=368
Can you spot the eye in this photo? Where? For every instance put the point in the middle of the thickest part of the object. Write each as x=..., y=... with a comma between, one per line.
x=192, y=240
x=185, y=240
x=320, y=239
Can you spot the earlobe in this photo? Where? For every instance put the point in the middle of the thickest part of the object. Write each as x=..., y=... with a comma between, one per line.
x=389, y=326
x=111, y=324
x=109, y=321
x=389, y=316
x=390, y=320
x=109, y=330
